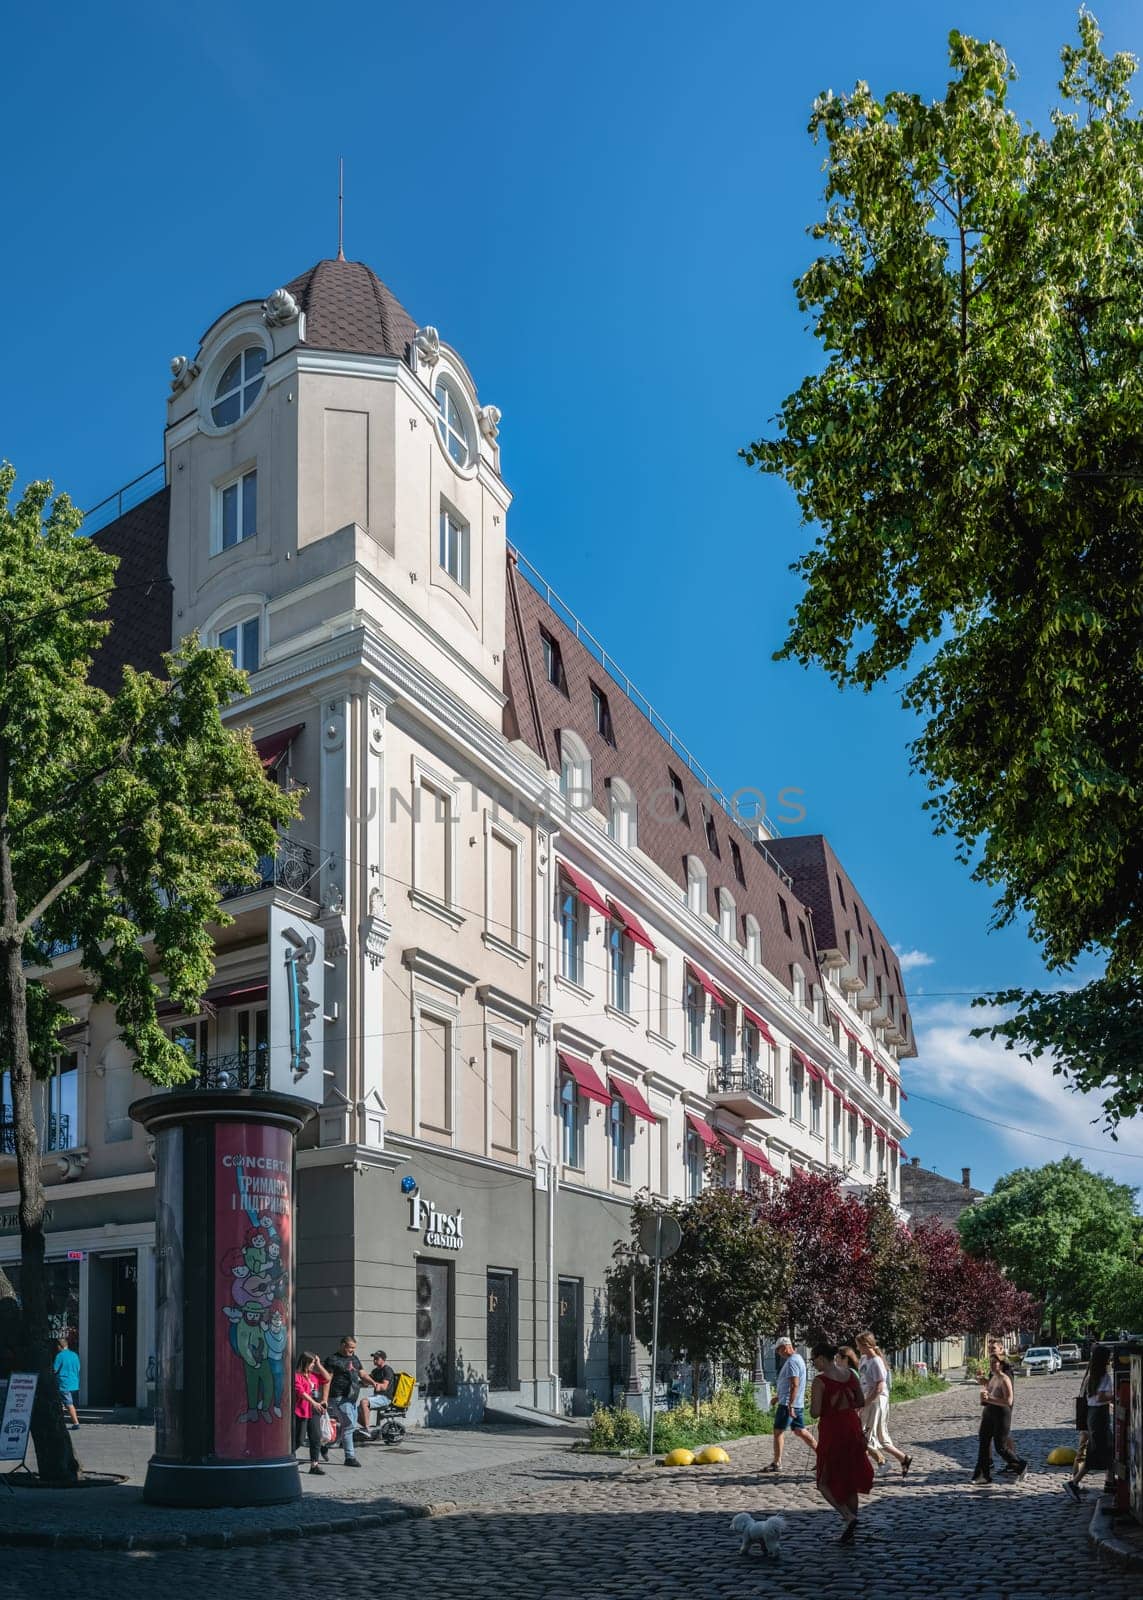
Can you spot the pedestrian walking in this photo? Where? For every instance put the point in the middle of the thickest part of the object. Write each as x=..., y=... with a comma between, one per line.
x=996, y=1423
x=875, y=1380
x=844, y=1468
x=1099, y=1392
x=66, y=1368
x=790, y=1413
x=852, y=1360
x=309, y=1378
x=345, y=1385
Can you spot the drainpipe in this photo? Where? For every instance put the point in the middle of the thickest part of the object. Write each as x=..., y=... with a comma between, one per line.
x=552, y=1122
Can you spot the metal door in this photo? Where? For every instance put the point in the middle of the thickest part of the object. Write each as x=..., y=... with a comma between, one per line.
x=501, y=1318
x=433, y=1357
x=571, y=1295
x=124, y=1326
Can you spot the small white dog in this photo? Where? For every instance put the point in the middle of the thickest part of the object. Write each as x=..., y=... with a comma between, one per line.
x=768, y=1533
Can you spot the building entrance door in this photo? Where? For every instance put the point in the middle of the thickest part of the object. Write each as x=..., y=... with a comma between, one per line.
x=501, y=1320
x=434, y=1367
x=124, y=1325
x=569, y=1329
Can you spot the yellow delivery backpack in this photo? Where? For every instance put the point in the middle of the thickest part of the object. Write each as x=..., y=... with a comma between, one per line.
x=403, y=1390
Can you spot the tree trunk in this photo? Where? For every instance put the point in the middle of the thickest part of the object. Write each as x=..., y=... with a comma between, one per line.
x=55, y=1458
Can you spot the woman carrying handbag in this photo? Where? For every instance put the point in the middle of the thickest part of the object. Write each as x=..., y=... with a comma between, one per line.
x=1093, y=1418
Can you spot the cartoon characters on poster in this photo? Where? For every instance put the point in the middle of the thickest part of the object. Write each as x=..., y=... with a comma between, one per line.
x=258, y=1318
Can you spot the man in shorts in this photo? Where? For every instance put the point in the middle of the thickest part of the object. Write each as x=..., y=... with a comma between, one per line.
x=66, y=1368
x=790, y=1414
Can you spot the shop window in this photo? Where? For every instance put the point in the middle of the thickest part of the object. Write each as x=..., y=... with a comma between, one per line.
x=570, y=1326
x=501, y=1330
x=434, y=1327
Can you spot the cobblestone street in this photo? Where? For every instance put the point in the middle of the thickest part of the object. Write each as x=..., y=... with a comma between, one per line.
x=660, y=1532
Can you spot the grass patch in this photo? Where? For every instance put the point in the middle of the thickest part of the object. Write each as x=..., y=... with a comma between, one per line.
x=730, y=1415
x=910, y=1386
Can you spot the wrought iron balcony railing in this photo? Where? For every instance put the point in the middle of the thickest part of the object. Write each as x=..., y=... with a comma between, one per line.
x=245, y=1069
x=742, y=1080
x=56, y=1136
x=292, y=868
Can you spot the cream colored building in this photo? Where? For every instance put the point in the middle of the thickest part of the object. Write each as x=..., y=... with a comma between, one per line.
x=561, y=965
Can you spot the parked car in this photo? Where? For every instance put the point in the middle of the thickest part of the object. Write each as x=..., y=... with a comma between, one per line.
x=1042, y=1358
x=1070, y=1354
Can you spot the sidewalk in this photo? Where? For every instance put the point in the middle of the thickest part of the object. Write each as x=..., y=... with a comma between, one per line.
x=1118, y=1540
x=432, y=1470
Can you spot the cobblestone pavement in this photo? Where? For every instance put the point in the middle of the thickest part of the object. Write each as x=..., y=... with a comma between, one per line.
x=665, y=1533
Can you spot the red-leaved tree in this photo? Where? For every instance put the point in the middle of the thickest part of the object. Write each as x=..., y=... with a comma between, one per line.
x=829, y=1293
x=944, y=1294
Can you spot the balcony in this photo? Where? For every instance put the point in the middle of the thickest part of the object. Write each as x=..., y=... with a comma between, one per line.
x=245, y=1069
x=56, y=1136
x=741, y=1088
x=292, y=868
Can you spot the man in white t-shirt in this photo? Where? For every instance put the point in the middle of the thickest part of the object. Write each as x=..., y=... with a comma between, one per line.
x=790, y=1415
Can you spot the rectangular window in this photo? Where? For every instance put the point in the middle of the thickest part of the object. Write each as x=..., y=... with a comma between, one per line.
x=253, y=1041
x=693, y=1002
x=433, y=848
x=880, y=1158
x=815, y=1107
x=191, y=1038
x=836, y=1125
x=736, y=859
x=241, y=641
x=503, y=1095
x=434, y=1327
x=454, y=546
x=804, y=939
x=722, y=1024
x=622, y=960
x=711, y=830
x=785, y=916
x=569, y=1322
x=61, y=1125
x=867, y=1142
x=435, y=1073
x=852, y=1138
x=857, y=914
x=662, y=1147
x=237, y=511
x=620, y=1125
x=840, y=890
x=797, y=1085
x=658, y=1020
x=893, y=1094
x=571, y=1123
x=678, y=796
x=553, y=661
x=602, y=713
x=751, y=1042
x=501, y=1329
x=695, y=1154
x=502, y=888
x=571, y=939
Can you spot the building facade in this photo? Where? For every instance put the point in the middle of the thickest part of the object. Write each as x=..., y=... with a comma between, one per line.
x=561, y=966
x=925, y=1193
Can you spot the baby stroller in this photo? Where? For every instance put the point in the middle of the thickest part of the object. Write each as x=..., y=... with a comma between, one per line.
x=390, y=1425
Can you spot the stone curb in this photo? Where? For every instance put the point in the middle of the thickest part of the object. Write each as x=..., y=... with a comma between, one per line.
x=1104, y=1541
x=219, y=1538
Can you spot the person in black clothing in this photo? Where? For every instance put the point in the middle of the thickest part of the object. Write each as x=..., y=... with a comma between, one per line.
x=345, y=1386
x=384, y=1381
x=996, y=1423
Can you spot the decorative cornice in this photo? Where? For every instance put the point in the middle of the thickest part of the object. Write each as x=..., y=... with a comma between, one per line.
x=375, y=933
x=625, y=1066
x=568, y=1034
x=435, y=969
x=506, y=1005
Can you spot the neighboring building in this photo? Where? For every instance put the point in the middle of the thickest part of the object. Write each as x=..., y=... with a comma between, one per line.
x=927, y=1194
x=559, y=967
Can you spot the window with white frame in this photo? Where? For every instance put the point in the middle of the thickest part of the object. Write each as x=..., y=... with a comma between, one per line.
x=837, y=1113
x=892, y=1094
x=751, y=1046
x=601, y=714
x=620, y=1127
x=622, y=814
x=575, y=770
x=502, y=886
x=573, y=921
x=815, y=1106
x=893, y=1169
x=797, y=1091
x=435, y=1074
x=722, y=1027
x=553, y=661
x=695, y=1007
x=236, y=511
x=193, y=1039
x=435, y=820
x=753, y=941
x=695, y=1158
x=503, y=1099
x=798, y=985
x=662, y=1145
x=727, y=916
x=239, y=386
x=61, y=1093
x=867, y=1148
x=658, y=997
x=454, y=423
x=621, y=950
x=696, y=886
x=852, y=1119
x=454, y=548
x=880, y=1157
x=242, y=642
x=571, y=1122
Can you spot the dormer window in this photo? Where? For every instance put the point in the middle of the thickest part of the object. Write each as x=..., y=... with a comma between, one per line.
x=241, y=641
x=453, y=423
x=239, y=386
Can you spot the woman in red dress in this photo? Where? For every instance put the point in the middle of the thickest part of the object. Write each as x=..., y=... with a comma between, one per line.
x=844, y=1468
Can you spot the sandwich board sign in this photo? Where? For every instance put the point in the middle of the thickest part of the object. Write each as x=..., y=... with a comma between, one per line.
x=16, y=1423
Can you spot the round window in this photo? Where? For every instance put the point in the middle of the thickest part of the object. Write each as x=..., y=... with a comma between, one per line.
x=453, y=423
x=239, y=386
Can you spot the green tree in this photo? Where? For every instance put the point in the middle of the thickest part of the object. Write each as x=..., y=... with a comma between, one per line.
x=723, y=1286
x=1063, y=1234
x=119, y=819
x=971, y=453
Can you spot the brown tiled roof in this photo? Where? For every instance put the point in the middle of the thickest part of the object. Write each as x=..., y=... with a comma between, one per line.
x=140, y=608
x=347, y=307
x=822, y=882
x=536, y=712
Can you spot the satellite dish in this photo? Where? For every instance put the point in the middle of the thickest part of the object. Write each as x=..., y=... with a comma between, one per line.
x=660, y=1236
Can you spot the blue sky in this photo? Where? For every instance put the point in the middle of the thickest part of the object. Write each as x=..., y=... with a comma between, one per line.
x=603, y=208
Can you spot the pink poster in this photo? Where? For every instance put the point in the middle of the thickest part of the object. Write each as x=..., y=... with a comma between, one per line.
x=252, y=1213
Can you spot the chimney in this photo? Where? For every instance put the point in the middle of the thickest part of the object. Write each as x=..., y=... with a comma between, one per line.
x=916, y=1161
x=966, y=1177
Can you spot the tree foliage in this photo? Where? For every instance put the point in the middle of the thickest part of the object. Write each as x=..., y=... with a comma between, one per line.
x=963, y=1293
x=972, y=455
x=896, y=1279
x=1064, y=1235
x=828, y=1294
x=120, y=817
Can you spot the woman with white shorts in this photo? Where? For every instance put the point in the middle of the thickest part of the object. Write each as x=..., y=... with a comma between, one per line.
x=875, y=1387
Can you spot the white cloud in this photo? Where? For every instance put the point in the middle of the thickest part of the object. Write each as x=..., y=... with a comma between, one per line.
x=910, y=959
x=982, y=1077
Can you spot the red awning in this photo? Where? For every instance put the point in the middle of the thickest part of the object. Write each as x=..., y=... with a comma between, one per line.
x=904, y=1096
x=586, y=1077
x=586, y=890
x=762, y=1026
x=811, y=1067
x=868, y=1121
x=274, y=746
x=704, y=1130
x=879, y=1133
x=708, y=985
x=833, y=1089
x=868, y=1054
x=634, y=929
x=755, y=1156
x=632, y=1099
x=227, y=996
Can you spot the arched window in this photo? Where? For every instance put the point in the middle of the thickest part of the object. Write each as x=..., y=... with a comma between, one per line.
x=622, y=814
x=239, y=386
x=575, y=771
x=696, y=885
x=727, y=916
x=454, y=422
x=753, y=941
x=242, y=640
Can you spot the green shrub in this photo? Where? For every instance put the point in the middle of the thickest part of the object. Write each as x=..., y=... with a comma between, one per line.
x=910, y=1386
x=730, y=1414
